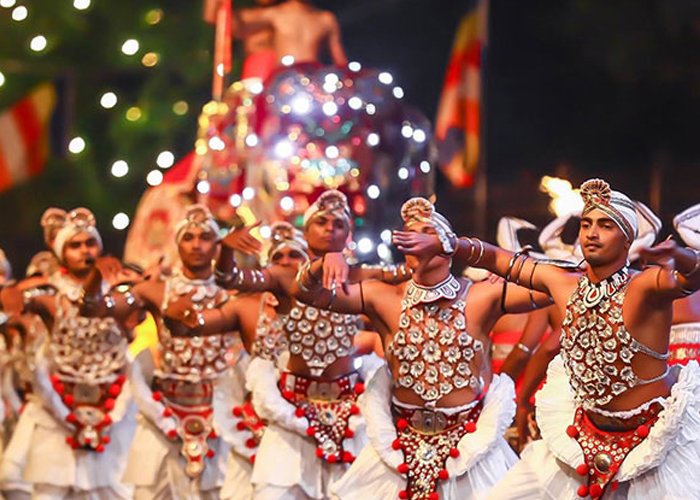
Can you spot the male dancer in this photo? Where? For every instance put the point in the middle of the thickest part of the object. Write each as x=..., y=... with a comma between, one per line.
x=436, y=419
x=177, y=452
x=314, y=427
x=73, y=435
x=613, y=417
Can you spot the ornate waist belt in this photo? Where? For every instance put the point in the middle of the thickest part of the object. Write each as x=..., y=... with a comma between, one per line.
x=427, y=439
x=327, y=406
x=308, y=388
x=604, y=451
x=89, y=406
x=190, y=404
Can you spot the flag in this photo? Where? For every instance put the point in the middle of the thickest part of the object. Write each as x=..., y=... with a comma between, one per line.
x=458, y=120
x=24, y=136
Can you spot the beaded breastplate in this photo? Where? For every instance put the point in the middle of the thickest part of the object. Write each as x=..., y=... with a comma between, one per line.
x=81, y=348
x=319, y=336
x=195, y=357
x=596, y=347
x=432, y=346
x=270, y=341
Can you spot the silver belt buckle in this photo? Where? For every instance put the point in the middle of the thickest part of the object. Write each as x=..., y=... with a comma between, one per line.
x=429, y=422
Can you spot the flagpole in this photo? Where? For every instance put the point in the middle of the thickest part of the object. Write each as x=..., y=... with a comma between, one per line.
x=481, y=180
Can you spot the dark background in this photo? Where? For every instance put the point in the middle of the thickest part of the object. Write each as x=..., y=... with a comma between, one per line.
x=573, y=88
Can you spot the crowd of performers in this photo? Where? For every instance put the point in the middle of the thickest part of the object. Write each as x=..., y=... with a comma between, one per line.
x=267, y=382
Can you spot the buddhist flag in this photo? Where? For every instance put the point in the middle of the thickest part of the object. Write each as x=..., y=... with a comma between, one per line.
x=458, y=121
x=24, y=136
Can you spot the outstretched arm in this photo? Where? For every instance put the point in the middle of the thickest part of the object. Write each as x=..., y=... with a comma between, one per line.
x=514, y=267
x=180, y=315
x=677, y=274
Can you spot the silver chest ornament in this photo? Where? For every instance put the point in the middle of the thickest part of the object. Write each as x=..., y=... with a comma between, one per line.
x=319, y=336
x=194, y=358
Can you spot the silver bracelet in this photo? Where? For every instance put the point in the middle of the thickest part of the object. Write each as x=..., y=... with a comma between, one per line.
x=481, y=251
x=696, y=268
x=523, y=348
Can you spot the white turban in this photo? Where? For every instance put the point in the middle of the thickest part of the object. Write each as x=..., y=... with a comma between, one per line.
x=687, y=223
x=197, y=216
x=330, y=202
x=284, y=235
x=51, y=221
x=596, y=194
x=78, y=220
x=421, y=210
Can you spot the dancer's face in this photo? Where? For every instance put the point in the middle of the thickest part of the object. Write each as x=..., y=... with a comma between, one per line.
x=80, y=254
x=326, y=233
x=288, y=257
x=602, y=241
x=197, y=248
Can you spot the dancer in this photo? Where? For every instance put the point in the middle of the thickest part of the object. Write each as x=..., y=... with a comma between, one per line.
x=613, y=416
x=313, y=422
x=74, y=432
x=436, y=419
x=177, y=452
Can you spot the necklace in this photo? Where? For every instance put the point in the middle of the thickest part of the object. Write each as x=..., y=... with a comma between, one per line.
x=593, y=293
x=446, y=289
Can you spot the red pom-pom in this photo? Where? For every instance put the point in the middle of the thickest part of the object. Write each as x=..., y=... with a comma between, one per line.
x=310, y=431
x=434, y=496
x=167, y=412
x=403, y=494
x=470, y=427
x=354, y=410
x=332, y=459
x=115, y=390
x=359, y=388
x=299, y=412
x=213, y=434
x=210, y=453
x=70, y=441
x=348, y=457
x=106, y=440
x=288, y=395
x=100, y=448
x=58, y=387
x=109, y=404
x=172, y=433
x=582, y=469
x=582, y=491
x=157, y=396
x=252, y=459
x=595, y=490
x=106, y=420
x=402, y=468
x=68, y=399
x=396, y=444
x=443, y=474
x=87, y=441
x=643, y=431
x=454, y=452
x=71, y=418
x=121, y=379
x=614, y=485
x=572, y=431
x=54, y=379
x=349, y=433
x=319, y=452
x=240, y=426
x=401, y=424
x=237, y=411
x=250, y=443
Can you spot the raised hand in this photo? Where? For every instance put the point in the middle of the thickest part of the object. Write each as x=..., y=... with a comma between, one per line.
x=662, y=254
x=243, y=241
x=181, y=310
x=335, y=271
x=419, y=244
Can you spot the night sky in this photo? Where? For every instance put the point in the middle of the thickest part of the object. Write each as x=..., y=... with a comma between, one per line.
x=574, y=88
